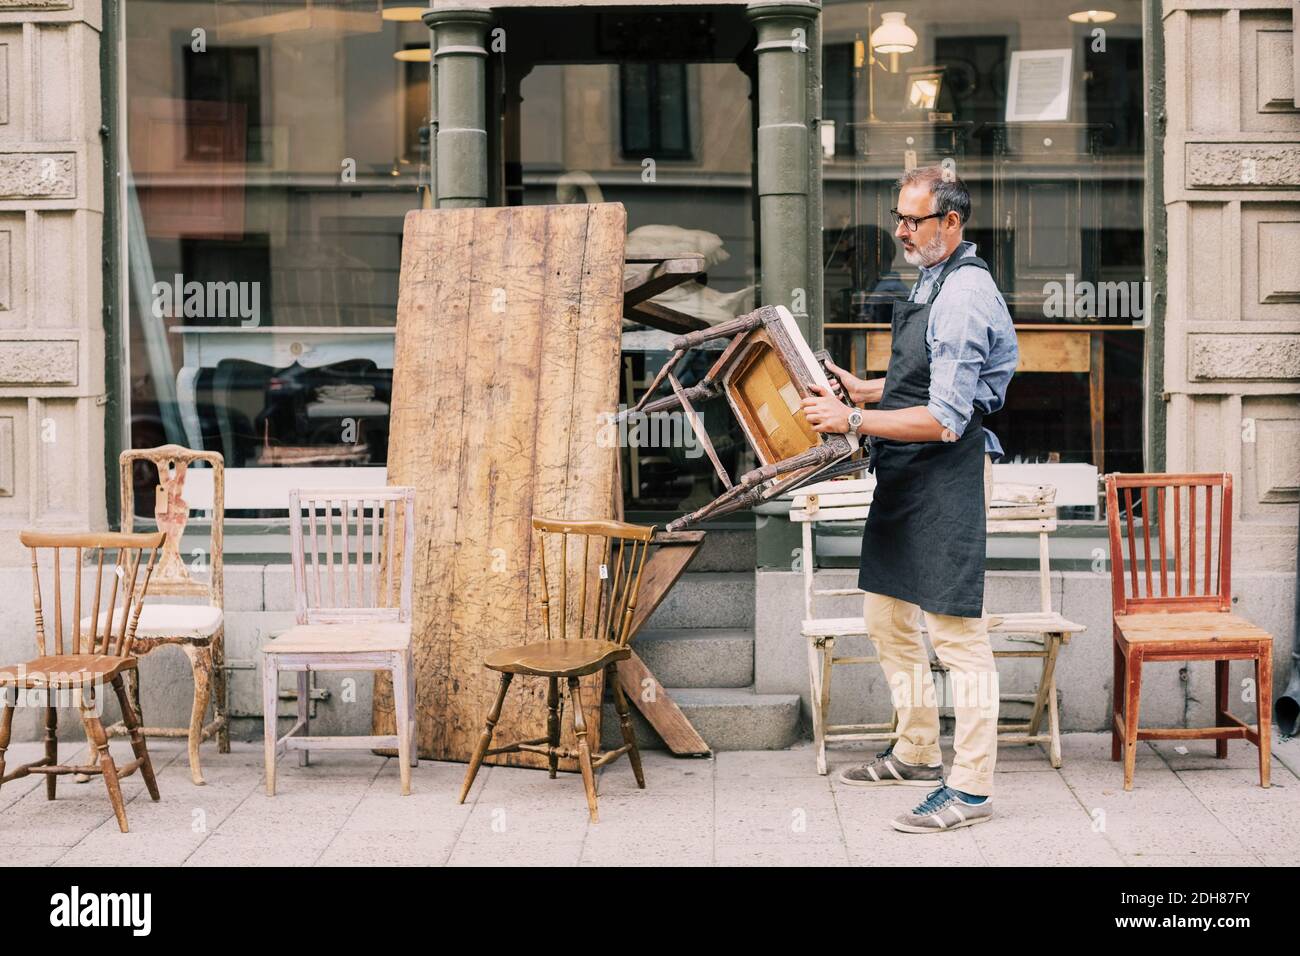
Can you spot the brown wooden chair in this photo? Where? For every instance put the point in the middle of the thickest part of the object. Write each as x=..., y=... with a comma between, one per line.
x=353, y=614
x=583, y=635
x=1179, y=607
x=198, y=629
x=89, y=660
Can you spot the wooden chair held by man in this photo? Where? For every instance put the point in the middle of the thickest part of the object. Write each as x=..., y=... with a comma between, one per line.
x=1179, y=607
x=353, y=603
x=197, y=629
x=586, y=624
x=91, y=657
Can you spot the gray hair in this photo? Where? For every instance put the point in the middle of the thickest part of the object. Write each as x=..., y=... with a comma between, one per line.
x=949, y=192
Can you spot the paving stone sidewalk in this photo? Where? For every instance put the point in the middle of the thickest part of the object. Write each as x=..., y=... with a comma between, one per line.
x=736, y=809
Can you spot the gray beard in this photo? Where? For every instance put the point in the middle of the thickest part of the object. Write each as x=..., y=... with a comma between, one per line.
x=926, y=255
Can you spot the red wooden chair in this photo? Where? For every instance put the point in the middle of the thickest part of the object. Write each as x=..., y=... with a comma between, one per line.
x=1178, y=606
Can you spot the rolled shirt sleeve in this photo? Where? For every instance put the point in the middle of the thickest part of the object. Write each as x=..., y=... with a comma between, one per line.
x=972, y=344
x=958, y=352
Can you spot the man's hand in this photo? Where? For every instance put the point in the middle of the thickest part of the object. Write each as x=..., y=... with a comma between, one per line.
x=859, y=389
x=825, y=412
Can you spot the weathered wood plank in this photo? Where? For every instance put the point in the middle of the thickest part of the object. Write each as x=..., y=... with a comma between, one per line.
x=513, y=317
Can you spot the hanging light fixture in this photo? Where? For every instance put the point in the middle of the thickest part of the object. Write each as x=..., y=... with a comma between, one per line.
x=1092, y=16
x=312, y=21
x=414, y=54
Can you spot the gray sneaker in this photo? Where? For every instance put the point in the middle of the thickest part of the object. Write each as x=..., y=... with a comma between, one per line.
x=944, y=810
x=887, y=769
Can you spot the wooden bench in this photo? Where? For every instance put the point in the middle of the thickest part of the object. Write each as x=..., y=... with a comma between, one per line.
x=1015, y=509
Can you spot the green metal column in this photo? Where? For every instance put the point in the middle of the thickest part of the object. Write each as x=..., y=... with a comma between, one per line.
x=461, y=147
x=784, y=51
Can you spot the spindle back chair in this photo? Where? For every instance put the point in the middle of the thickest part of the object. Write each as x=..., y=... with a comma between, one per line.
x=338, y=577
x=97, y=651
x=353, y=610
x=199, y=630
x=1183, y=616
x=587, y=596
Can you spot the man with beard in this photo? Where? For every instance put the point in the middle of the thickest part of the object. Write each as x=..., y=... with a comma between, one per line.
x=953, y=353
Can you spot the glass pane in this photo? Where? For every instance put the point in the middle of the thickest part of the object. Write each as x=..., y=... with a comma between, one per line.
x=272, y=157
x=1038, y=109
x=702, y=205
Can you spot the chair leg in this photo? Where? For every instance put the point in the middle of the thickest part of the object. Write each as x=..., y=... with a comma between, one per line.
x=553, y=722
x=815, y=703
x=402, y=718
x=1264, y=713
x=1053, y=726
x=1046, y=677
x=1221, y=706
x=625, y=722
x=584, y=748
x=1117, y=700
x=1132, y=698
x=201, y=666
x=485, y=739
x=270, y=698
x=415, y=711
x=304, y=712
x=220, y=692
x=51, y=747
x=138, y=745
x=98, y=740
x=7, y=724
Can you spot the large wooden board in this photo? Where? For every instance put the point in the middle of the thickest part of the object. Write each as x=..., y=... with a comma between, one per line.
x=507, y=354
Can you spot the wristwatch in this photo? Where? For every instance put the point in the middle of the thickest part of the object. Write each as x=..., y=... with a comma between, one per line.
x=855, y=420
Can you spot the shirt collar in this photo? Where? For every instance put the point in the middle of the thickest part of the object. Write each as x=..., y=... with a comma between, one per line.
x=930, y=273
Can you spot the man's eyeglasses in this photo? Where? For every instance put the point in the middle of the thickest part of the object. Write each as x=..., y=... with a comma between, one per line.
x=912, y=221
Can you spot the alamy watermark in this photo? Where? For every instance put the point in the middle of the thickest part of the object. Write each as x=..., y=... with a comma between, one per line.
x=208, y=300
x=1095, y=300
x=636, y=429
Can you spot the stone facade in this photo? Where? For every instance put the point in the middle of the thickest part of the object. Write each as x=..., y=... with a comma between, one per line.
x=1232, y=327
x=52, y=427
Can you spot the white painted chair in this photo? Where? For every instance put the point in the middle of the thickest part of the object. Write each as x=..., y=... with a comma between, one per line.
x=353, y=614
x=1015, y=509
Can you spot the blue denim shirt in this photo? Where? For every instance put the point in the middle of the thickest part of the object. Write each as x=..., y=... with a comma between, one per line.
x=971, y=344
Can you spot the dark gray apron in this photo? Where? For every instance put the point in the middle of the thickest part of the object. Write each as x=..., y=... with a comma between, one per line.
x=925, y=533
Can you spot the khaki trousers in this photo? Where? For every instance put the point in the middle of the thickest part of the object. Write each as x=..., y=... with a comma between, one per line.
x=962, y=644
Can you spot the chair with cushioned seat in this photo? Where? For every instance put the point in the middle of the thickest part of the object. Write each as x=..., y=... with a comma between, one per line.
x=91, y=659
x=197, y=629
x=586, y=631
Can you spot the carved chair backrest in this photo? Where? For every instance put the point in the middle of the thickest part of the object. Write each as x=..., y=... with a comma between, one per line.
x=169, y=464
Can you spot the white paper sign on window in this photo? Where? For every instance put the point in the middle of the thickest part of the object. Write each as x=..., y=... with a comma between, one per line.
x=1039, y=86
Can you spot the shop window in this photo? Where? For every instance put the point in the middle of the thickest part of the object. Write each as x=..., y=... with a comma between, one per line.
x=1039, y=111
x=269, y=170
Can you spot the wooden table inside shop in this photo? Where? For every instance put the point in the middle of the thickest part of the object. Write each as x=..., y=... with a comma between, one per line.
x=1043, y=348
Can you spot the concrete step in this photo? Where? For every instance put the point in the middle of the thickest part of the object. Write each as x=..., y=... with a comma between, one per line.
x=726, y=550
x=728, y=718
x=698, y=657
x=708, y=599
